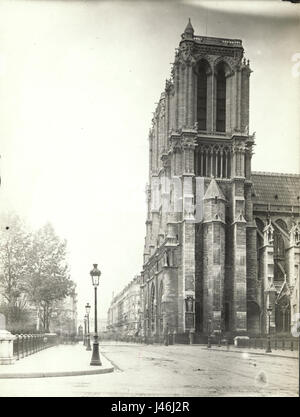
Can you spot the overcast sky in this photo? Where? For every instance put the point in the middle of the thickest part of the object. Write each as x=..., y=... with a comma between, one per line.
x=78, y=84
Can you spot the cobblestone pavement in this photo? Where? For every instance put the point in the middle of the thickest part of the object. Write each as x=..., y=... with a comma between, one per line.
x=180, y=370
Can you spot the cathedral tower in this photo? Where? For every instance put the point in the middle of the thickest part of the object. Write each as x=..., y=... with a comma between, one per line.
x=200, y=246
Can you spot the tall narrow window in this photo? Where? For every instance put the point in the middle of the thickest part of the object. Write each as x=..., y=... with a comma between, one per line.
x=202, y=98
x=221, y=100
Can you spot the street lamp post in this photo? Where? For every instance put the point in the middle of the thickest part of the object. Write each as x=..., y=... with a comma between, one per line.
x=208, y=333
x=220, y=332
x=88, y=343
x=95, y=274
x=84, y=335
x=269, y=312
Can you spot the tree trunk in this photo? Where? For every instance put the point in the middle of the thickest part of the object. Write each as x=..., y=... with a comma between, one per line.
x=47, y=320
x=44, y=318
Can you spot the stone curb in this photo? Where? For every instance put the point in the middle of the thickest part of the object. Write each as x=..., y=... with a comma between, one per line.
x=56, y=374
x=271, y=354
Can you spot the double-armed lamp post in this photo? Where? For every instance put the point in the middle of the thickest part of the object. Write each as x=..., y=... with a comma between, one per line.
x=88, y=343
x=95, y=274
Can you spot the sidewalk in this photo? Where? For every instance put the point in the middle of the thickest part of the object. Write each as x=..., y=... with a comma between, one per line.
x=62, y=360
x=275, y=353
x=251, y=351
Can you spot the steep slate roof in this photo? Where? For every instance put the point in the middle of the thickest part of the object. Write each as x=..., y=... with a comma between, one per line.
x=267, y=185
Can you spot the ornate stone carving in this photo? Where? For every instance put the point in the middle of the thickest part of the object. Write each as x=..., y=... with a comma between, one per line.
x=165, y=160
x=169, y=85
x=240, y=217
x=162, y=108
x=208, y=58
x=230, y=62
x=188, y=143
x=238, y=145
x=185, y=55
x=214, y=50
x=268, y=234
x=189, y=304
x=175, y=144
x=295, y=235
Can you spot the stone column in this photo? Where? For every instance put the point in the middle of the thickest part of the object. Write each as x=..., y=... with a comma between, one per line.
x=191, y=109
x=245, y=75
x=238, y=94
x=182, y=95
x=6, y=344
x=213, y=258
x=176, y=84
x=234, y=100
x=239, y=276
x=169, y=297
x=6, y=348
x=293, y=263
x=239, y=254
x=268, y=274
x=210, y=112
x=228, y=116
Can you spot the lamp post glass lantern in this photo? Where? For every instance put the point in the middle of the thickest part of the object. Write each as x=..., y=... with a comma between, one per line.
x=95, y=275
x=88, y=343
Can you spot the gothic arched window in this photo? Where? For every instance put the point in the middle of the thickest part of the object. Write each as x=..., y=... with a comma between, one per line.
x=282, y=224
x=221, y=99
x=202, y=96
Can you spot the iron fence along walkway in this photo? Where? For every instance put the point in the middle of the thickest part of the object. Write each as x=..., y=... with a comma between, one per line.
x=28, y=344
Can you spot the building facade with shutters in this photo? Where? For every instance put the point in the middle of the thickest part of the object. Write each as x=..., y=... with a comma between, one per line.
x=222, y=242
x=124, y=313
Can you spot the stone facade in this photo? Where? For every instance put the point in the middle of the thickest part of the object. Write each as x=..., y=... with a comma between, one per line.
x=123, y=317
x=276, y=211
x=200, y=164
x=211, y=262
x=66, y=321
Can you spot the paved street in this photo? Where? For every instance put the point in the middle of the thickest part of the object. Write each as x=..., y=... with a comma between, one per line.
x=179, y=370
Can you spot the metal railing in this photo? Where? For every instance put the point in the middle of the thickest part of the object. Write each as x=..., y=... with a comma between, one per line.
x=277, y=343
x=28, y=344
x=280, y=343
x=218, y=41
